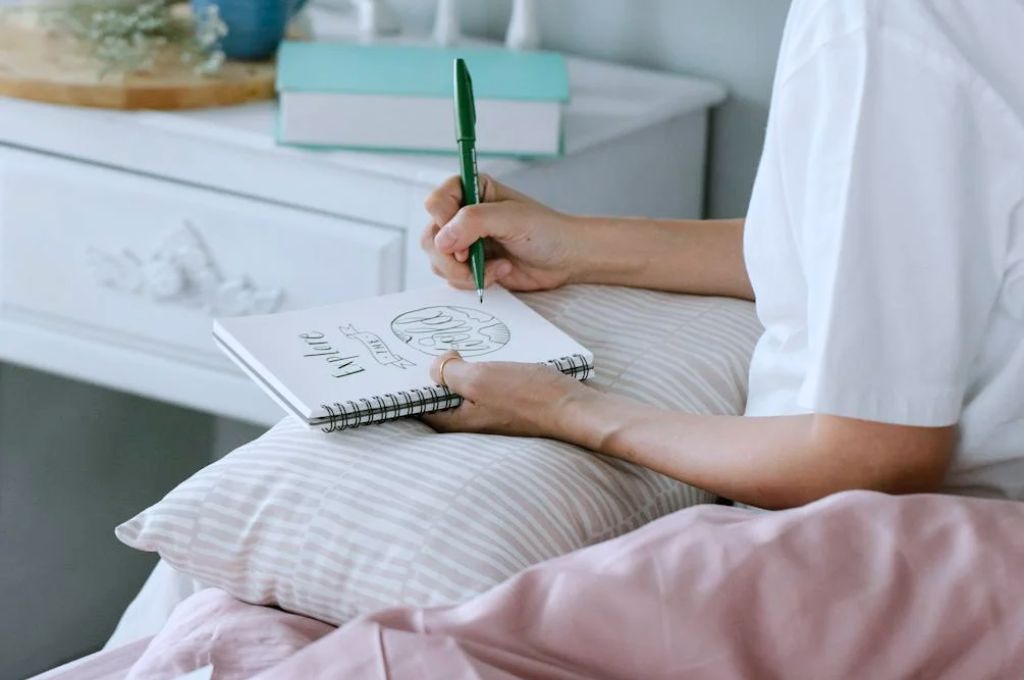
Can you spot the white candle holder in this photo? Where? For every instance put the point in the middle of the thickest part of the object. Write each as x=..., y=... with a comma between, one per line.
x=376, y=18
x=523, y=28
x=446, y=23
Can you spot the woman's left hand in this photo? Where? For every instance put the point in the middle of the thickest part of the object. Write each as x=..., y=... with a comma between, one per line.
x=526, y=400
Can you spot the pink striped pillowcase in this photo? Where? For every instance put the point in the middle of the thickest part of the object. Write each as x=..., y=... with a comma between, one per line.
x=335, y=525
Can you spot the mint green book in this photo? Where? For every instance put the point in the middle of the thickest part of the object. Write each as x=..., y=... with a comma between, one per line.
x=399, y=98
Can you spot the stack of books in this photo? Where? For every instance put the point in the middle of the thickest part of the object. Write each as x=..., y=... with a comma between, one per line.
x=399, y=98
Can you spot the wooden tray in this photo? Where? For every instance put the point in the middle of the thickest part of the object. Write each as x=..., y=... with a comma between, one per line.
x=40, y=64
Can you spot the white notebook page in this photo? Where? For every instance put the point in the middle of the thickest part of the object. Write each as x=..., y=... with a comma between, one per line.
x=369, y=348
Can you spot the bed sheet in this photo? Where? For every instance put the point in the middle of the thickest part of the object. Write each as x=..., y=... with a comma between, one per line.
x=106, y=664
x=149, y=611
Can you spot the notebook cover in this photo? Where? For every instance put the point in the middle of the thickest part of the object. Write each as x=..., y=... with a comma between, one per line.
x=420, y=71
x=368, y=360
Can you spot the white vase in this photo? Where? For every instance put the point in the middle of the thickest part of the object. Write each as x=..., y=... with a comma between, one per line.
x=523, y=27
x=377, y=17
x=446, y=23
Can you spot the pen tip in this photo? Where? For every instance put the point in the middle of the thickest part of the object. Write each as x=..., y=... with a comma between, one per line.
x=480, y=294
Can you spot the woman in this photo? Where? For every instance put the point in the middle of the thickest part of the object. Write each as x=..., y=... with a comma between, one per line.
x=884, y=247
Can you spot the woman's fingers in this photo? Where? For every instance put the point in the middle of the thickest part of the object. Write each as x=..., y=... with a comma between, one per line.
x=503, y=221
x=427, y=243
x=496, y=270
x=457, y=274
x=465, y=418
x=454, y=267
x=460, y=275
x=496, y=220
x=493, y=273
x=446, y=266
x=427, y=237
x=452, y=371
x=445, y=200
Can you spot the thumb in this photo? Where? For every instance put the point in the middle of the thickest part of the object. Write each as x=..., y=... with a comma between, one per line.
x=474, y=222
x=452, y=371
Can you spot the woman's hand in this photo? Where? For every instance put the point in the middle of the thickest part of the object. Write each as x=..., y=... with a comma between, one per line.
x=530, y=246
x=525, y=400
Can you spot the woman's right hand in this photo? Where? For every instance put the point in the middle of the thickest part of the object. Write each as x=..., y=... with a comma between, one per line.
x=529, y=246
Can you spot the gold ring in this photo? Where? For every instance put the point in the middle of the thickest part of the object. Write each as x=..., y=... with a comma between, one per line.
x=440, y=370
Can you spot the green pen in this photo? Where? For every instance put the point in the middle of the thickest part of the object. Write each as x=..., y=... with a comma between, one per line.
x=465, y=135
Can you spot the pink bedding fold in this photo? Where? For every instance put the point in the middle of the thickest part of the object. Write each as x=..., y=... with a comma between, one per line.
x=107, y=664
x=859, y=585
x=238, y=639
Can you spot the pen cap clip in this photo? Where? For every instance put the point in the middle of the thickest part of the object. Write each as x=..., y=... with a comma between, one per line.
x=465, y=104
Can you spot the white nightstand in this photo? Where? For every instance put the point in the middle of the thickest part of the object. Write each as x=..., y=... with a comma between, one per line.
x=121, y=234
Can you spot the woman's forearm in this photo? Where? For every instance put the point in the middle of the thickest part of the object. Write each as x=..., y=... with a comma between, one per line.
x=684, y=256
x=775, y=462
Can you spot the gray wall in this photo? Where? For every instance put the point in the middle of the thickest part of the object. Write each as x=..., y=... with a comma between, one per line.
x=75, y=461
x=734, y=42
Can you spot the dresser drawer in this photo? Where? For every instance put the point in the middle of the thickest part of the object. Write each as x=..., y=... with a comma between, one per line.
x=145, y=262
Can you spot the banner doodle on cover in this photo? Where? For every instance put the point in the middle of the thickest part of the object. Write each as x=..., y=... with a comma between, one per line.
x=377, y=348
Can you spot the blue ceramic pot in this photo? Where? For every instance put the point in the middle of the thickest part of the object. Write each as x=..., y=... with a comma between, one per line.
x=255, y=27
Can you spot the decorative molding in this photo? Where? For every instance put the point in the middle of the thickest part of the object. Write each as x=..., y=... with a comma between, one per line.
x=182, y=271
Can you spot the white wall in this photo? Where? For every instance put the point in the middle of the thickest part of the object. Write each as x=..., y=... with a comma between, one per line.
x=732, y=41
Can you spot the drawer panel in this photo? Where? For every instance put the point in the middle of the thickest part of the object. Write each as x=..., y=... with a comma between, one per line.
x=145, y=261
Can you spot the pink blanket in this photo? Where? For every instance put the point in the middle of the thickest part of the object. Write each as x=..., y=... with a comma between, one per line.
x=859, y=585
x=239, y=640
x=109, y=664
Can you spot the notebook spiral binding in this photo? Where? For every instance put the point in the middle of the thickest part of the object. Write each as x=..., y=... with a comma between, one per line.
x=349, y=414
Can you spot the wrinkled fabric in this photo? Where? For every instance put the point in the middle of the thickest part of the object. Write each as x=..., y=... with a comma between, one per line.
x=859, y=585
x=107, y=664
x=238, y=639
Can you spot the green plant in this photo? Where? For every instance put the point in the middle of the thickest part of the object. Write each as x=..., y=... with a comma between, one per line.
x=129, y=36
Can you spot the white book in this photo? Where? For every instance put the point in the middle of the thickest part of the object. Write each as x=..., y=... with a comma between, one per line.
x=400, y=98
x=368, y=361
x=397, y=123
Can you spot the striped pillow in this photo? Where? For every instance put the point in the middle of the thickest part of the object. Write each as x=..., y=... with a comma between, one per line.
x=334, y=525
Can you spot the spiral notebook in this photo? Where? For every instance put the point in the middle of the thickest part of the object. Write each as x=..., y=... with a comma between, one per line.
x=368, y=361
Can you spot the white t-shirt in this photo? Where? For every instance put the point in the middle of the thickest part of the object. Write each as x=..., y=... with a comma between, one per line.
x=885, y=238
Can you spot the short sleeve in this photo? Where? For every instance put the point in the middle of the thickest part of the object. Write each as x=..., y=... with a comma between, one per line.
x=893, y=197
